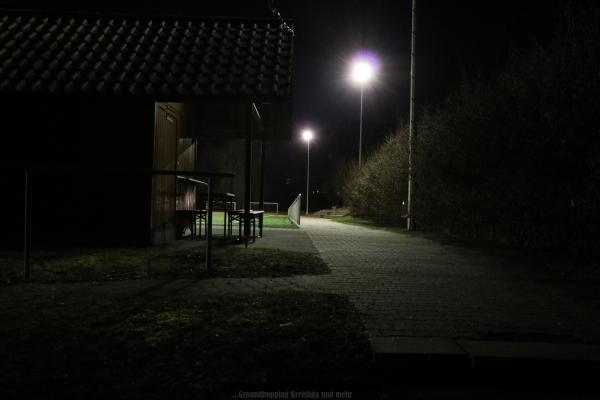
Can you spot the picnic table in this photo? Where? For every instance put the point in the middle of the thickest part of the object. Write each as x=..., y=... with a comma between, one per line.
x=191, y=218
x=240, y=215
x=226, y=199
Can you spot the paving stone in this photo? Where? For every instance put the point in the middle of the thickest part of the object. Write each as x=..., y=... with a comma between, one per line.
x=405, y=285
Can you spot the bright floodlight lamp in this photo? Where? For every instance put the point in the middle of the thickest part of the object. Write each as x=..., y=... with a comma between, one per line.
x=365, y=66
x=307, y=135
x=362, y=72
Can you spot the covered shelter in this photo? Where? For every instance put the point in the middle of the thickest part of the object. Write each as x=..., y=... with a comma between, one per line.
x=95, y=93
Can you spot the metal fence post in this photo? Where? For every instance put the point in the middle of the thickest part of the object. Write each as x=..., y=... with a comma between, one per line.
x=27, y=227
x=248, y=177
x=209, y=211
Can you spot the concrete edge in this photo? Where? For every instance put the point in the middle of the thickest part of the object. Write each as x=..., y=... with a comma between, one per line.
x=474, y=350
x=531, y=350
x=416, y=346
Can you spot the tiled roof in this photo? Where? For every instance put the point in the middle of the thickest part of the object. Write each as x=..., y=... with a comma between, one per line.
x=162, y=57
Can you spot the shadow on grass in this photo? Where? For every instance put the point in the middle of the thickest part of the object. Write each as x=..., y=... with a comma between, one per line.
x=78, y=265
x=175, y=347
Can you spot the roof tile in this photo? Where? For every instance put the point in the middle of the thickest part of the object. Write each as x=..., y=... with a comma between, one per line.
x=168, y=56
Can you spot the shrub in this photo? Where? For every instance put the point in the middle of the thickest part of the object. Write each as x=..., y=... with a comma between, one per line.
x=378, y=189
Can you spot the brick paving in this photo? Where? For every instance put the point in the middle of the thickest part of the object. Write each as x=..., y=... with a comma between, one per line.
x=405, y=285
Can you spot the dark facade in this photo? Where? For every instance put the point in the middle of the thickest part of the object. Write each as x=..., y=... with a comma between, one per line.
x=67, y=143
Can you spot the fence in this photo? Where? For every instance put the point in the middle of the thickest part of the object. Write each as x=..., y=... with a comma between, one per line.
x=266, y=203
x=294, y=210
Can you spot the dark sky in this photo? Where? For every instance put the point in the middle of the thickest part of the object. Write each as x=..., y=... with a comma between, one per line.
x=455, y=37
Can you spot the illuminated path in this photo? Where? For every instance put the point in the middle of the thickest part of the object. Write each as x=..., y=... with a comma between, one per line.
x=405, y=285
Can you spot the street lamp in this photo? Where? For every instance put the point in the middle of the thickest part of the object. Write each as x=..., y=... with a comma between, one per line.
x=307, y=136
x=364, y=69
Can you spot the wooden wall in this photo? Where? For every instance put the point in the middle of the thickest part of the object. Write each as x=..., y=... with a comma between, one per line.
x=173, y=150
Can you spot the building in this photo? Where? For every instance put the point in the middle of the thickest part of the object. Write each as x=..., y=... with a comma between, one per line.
x=93, y=103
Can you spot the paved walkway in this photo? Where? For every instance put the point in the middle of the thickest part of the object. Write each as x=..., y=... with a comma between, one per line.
x=404, y=285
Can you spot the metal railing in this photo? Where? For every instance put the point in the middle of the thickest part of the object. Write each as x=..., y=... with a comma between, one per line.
x=294, y=210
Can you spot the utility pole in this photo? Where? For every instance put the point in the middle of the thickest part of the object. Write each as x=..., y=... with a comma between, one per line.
x=411, y=124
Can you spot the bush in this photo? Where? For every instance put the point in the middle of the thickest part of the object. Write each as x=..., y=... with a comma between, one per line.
x=378, y=189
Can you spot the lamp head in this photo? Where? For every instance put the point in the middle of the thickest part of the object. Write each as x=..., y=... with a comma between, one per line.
x=364, y=67
x=362, y=72
x=307, y=135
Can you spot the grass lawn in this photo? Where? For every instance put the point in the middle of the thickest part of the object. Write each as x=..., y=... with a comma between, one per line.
x=278, y=221
x=269, y=221
x=139, y=346
x=181, y=260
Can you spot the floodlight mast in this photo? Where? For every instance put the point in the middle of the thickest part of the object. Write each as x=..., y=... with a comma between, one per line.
x=363, y=71
x=307, y=136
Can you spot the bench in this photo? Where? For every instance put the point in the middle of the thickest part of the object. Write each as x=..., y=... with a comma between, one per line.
x=240, y=215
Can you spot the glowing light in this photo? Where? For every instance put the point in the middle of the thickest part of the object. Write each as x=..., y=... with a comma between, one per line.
x=307, y=135
x=365, y=66
x=362, y=72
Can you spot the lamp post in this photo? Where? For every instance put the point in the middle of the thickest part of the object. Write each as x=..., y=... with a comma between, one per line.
x=307, y=136
x=364, y=68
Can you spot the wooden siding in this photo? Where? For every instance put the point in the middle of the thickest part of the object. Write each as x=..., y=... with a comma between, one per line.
x=187, y=192
x=173, y=150
x=164, y=187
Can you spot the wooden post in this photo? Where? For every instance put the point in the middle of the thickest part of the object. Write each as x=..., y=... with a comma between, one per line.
x=27, y=227
x=209, y=210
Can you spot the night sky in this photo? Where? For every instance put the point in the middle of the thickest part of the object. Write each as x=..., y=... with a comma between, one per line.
x=455, y=38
